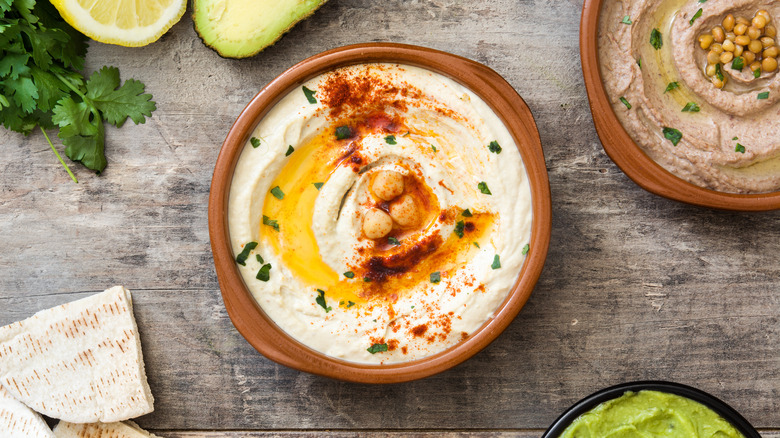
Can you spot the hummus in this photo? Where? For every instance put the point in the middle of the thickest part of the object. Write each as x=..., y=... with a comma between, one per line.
x=732, y=143
x=306, y=183
x=651, y=413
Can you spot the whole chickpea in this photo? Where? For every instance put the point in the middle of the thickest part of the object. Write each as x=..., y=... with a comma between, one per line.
x=387, y=184
x=377, y=224
x=404, y=211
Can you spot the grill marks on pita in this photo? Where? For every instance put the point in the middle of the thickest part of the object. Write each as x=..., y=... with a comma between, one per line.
x=80, y=362
x=19, y=421
x=100, y=430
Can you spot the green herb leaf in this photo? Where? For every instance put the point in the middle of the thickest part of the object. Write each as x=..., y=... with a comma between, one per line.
x=496, y=262
x=671, y=86
x=735, y=138
x=625, y=102
x=718, y=72
x=366, y=280
x=691, y=107
x=738, y=63
x=494, y=147
x=321, y=300
x=626, y=20
x=343, y=132
x=290, y=150
x=118, y=103
x=264, y=274
x=244, y=254
x=672, y=135
x=277, y=192
x=739, y=148
x=764, y=95
x=259, y=259
x=459, y=229
x=435, y=277
x=393, y=241
x=476, y=244
x=639, y=62
x=407, y=134
x=757, y=73
x=350, y=304
x=656, y=40
x=255, y=142
x=390, y=139
x=309, y=94
x=270, y=222
x=434, y=148
x=467, y=213
x=483, y=187
x=377, y=348
x=695, y=16
x=349, y=274
x=525, y=249
x=318, y=185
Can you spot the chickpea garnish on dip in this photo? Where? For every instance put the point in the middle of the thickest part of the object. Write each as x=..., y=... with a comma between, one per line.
x=381, y=214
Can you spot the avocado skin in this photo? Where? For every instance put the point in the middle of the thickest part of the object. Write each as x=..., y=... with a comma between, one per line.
x=227, y=52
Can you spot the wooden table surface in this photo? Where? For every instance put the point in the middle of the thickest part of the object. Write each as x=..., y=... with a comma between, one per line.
x=634, y=287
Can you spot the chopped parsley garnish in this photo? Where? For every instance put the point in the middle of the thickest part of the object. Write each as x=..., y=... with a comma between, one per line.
x=691, y=107
x=318, y=185
x=270, y=222
x=309, y=94
x=483, y=187
x=639, y=62
x=735, y=138
x=366, y=280
x=459, y=229
x=390, y=139
x=494, y=147
x=739, y=148
x=702, y=1
x=467, y=213
x=241, y=258
x=496, y=262
x=672, y=135
x=695, y=16
x=525, y=249
x=259, y=259
x=718, y=72
x=764, y=95
x=393, y=241
x=343, y=132
x=626, y=20
x=290, y=150
x=434, y=148
x=738, y=63
x=656, y=40
x=377, y=348
x=255, y=142
x=672, y=86
x=350, y=304
x=349, y=274
x=435, y=277
x=476, y=244
x=277, y=192
x=321, y=300
x=625, y=102
x=757, y=73
x=407, y=134
x=264, y=273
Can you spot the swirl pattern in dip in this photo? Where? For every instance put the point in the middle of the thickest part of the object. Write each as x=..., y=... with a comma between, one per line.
x=731, y=143
x=307, y=180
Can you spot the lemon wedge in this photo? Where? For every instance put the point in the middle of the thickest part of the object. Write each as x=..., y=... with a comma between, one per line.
x=129, y=23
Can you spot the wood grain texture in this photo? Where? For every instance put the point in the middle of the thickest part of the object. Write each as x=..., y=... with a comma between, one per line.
x=635, y=286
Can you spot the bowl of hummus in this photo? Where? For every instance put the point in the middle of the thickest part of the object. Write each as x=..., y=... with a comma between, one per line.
x=379, y=213
x=685, y=96
x=651, y=408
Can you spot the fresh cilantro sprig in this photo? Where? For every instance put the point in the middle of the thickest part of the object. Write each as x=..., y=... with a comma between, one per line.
x=40, y=84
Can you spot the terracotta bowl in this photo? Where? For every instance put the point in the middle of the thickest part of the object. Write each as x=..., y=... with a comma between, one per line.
x=628, y=156
x=247, y=316
x=725, y=411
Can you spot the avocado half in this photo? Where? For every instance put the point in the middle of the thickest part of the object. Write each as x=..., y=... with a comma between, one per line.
x=242, y=28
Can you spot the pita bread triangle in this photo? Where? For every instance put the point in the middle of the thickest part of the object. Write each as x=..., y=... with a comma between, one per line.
x=19, y=421
x=80, y=362
x=101, y=430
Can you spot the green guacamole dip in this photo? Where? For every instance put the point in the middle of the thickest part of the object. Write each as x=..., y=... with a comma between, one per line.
x=650, y=414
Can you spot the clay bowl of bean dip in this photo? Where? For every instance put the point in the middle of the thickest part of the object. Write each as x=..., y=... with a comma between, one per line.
x=685, y=97
x=379, y=213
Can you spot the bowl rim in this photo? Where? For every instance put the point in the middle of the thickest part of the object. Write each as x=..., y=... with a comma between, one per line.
x=629, y=156
x=586, y=404
x=245, y=313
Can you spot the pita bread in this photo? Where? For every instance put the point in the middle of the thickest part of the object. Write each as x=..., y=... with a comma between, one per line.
x=101, y=430
x=80, y=362
x=19, y=421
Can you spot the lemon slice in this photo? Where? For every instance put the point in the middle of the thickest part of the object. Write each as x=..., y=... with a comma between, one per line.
x=129, y=23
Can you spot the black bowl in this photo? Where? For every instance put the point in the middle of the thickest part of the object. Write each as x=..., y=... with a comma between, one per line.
x=593, y=400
